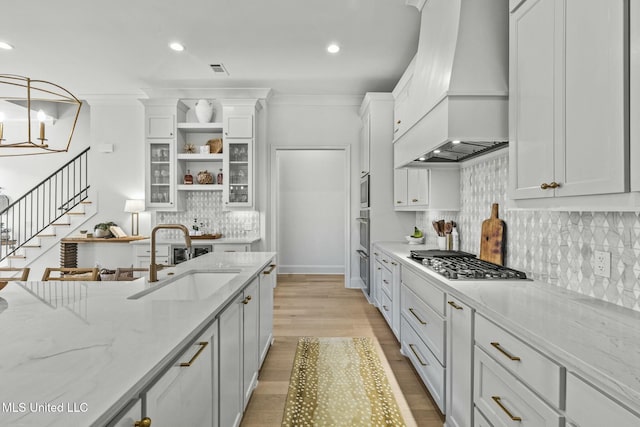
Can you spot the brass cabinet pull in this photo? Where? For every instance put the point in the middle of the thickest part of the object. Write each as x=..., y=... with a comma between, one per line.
x=246, y=300
x=399, y=121
x=385, y=261
x=385, y=308
x=399, y=201
x=503, y=351
x=454, y=305
x=506, y=411
x=552, y=185
x=422, y=322
x=376, y=253
x=416, y=354
x=385, y=281
x=202, y=345
x=145, y=422
x=379, y=268
x=273, y=266
x=394, y=263
x=414, y=200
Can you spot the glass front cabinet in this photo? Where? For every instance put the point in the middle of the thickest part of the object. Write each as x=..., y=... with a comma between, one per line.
x=238, y=151
x=160, y=152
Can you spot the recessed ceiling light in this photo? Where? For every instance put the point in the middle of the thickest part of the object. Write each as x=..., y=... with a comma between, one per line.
x=178, y=47
x=5, y=46
x=455, y=142
x=436, y=151
x=422, y=159
x=333, y=48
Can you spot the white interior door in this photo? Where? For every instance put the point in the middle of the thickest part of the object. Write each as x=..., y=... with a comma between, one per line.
x=311, y=210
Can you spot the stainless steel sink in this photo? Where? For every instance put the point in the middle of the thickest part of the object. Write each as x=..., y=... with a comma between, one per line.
x=192, y=286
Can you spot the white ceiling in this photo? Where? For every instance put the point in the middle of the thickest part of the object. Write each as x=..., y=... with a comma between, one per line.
x=120, y=47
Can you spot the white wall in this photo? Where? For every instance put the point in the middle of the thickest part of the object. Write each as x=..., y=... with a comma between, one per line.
x=315, y=121
x=311, y=211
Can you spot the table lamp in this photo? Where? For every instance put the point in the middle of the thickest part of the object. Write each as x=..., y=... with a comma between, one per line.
x=134, y=206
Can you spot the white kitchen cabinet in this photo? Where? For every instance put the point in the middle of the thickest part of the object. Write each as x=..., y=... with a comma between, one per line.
x=185, y=393
x=504, y=400
x=239, y=118
x=423, y=188
x=429, y=369
x=401, y=103
x=459, y=384
x=530, y=364
x=376, y=288
x=231, y=399
x=479, y=420
x=160, y=174
x=238, y=124
x=427, y=324
x=567, y=99
x=588, y=407
x=250, y=339
x=143, y=255
x=160, y=126
x=268, y=279
x=634, y=93
x=365, y=144
x=389, y=277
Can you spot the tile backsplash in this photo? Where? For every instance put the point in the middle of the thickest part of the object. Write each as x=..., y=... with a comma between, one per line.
x=557, y=247
x=204, y=208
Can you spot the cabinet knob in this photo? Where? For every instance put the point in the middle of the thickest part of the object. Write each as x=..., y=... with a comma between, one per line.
x=414, y=200
x=399, y=121
x=552, y=185
x=145, y=422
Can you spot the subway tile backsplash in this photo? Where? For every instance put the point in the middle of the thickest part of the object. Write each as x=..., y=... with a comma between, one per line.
x=557, y=247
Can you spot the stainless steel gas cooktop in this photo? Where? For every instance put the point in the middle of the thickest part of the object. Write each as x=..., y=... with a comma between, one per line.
x=455, y=265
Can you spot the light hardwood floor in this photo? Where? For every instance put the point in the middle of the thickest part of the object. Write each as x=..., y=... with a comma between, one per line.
x=308, y=305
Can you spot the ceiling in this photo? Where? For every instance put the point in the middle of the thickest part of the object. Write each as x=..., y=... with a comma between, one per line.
x=120, y=47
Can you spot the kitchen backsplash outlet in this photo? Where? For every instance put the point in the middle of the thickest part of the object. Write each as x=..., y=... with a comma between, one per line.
x=205, y=208
x=551, y=246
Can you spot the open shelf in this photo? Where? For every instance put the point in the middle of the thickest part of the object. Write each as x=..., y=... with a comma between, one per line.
x=198, y=156
x=200, y=187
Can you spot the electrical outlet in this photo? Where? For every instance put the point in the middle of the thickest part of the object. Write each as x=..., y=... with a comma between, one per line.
x=603, y=264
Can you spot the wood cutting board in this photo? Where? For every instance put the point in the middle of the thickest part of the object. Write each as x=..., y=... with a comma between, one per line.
x=492, y=238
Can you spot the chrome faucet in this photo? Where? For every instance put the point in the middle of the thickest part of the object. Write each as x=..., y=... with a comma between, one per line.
x=153, y=268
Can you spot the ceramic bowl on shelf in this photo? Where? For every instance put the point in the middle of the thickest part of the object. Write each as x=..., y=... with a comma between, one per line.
x=414, y=240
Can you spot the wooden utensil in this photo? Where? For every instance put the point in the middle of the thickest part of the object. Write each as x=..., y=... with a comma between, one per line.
x=492, y=238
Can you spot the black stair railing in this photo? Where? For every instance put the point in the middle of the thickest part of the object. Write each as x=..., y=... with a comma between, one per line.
x=44, y=204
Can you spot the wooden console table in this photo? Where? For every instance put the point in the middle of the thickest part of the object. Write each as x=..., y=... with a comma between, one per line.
x=69, y=247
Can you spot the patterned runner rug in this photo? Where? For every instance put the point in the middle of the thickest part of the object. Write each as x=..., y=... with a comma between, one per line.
x=341, y=382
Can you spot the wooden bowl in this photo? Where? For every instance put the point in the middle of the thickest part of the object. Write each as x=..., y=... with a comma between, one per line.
x=215, y=145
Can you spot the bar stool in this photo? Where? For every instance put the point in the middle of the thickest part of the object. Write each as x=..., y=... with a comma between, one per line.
x=127, y=274
x=8, y=274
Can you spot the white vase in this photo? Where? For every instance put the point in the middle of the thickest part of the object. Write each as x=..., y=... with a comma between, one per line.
x=204, y=110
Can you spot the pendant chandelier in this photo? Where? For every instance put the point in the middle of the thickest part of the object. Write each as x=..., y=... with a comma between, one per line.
x=33, y=103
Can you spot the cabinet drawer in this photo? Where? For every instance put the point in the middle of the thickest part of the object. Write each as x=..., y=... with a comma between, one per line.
x=425, y=290
x=505, y=401
x=538, y=371
x=429, y=326
x=387, y=280
x=430, y=370
x=145, y=250
x=387, y=309
x=588, y=407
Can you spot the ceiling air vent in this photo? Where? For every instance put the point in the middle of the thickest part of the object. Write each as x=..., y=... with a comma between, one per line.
x=219, y=69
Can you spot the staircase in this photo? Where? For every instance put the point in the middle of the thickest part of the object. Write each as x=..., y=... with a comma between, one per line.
x=53, y=209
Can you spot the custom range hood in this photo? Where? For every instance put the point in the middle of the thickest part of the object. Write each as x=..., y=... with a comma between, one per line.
x=457, y=101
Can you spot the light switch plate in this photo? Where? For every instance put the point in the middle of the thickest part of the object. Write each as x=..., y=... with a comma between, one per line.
x=602, y=266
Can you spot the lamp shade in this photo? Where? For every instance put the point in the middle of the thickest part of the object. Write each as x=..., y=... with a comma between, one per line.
x=134, y=205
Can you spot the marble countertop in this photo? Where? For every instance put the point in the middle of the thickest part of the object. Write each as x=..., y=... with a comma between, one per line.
x=85, y=346
x=597, y=340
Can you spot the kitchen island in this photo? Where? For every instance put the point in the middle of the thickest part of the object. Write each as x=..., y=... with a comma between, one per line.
x=77, y=353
